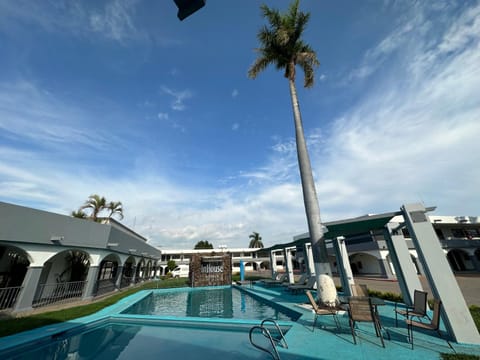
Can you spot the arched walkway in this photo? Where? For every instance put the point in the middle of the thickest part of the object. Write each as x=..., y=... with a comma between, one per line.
x=63, y=277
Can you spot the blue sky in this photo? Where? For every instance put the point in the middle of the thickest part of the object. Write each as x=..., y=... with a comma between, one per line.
x=121, y=99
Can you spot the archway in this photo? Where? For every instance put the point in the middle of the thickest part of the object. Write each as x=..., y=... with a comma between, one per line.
x=107, y=274
x=128, y=272
x=363, y=264
x=14, y=263
x=63, y=277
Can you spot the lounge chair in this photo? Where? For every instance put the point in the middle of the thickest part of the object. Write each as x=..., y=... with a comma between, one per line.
x=322, y=310
x=361, y=310
x=274, y=282
x=418, y=310
x=301, y=280
x=434, y=324
x=309, y=285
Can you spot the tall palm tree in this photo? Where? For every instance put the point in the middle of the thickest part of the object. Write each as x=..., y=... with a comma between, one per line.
x=95, y=204
x=281, y=45
x=255, y=240
x=115, y=208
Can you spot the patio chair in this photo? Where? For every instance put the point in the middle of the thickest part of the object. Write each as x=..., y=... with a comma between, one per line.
x=359, y=290
x=418, y=310
x=361, y=310
x=322, y=310
x=309, y=285
x=433, y=325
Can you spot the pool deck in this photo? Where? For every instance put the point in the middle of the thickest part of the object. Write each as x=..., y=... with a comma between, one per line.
x=325, y=342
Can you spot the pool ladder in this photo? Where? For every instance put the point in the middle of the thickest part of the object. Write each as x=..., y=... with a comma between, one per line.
x=274, y=341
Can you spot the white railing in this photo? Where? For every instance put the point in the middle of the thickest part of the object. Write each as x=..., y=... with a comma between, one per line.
x=8, y=296
x=58, y=293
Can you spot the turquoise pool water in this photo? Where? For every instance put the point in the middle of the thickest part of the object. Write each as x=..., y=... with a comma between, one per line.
x=223, y=302
x=130, y=341
x=185, y=323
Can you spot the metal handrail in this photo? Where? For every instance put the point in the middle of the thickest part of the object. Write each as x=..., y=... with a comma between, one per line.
x=8, y=296
x=275, y=355
x=59, y=292
x=282, y=337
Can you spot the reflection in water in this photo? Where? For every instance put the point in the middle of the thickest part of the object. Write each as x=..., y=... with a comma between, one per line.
x=104, y=343
x=216, y=303
x=209, y=303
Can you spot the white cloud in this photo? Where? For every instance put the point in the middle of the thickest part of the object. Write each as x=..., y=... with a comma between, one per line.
x=235, y=126
x=115, y=20
x=179, y=97
x=413, y=140
x=235, y=93
x=46, y=121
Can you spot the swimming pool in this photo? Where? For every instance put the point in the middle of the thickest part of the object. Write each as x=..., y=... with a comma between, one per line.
x=131, y=341
x=206, y=322
x=217, y=302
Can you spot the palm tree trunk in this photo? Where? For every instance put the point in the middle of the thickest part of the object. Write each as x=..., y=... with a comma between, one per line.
x=312, y=210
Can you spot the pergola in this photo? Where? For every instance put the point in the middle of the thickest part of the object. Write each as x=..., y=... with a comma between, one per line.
x=456, y=315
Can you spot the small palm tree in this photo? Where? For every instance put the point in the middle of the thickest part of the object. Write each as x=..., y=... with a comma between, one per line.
x=281, y=45
x=255, y=240
x=95, y=204
x=115, y=208
x=79, y=214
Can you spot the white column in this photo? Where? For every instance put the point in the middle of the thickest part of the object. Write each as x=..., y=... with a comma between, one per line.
x=455, y=314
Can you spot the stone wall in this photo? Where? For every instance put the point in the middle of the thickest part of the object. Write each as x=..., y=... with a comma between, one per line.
x=210, y=269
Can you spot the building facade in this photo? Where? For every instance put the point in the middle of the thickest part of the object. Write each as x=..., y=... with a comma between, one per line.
x=47, y=258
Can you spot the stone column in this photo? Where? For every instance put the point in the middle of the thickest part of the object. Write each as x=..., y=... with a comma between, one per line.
x=29, y=287
x=273, y=264
x=343, y=265
x=289, y=265
x=119, y=277
x=402, y=262
x=385, y=268
x=88, y=291
x=309, y=259
x=455, y=314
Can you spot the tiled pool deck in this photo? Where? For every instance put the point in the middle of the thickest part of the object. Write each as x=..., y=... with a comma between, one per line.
x=325, y=342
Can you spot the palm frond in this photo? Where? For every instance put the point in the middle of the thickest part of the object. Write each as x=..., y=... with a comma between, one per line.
x=281, y=44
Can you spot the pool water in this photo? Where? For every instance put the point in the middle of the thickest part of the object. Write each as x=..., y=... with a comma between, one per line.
x=222, y=302
x=127, y=341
